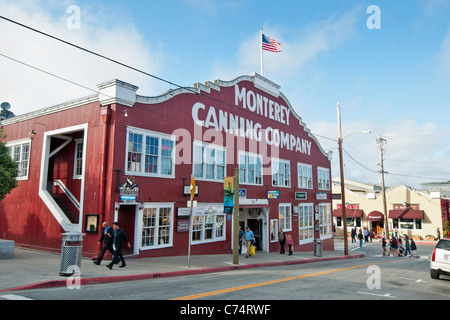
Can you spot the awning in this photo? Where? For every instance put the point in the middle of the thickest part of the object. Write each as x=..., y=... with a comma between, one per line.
x=375, y=216
x=349, y=213
x=406, y=214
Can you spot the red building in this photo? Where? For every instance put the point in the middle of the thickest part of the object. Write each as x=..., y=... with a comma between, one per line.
x=76, y=158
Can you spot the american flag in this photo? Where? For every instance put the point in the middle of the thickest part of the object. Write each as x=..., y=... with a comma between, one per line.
x=270, y=44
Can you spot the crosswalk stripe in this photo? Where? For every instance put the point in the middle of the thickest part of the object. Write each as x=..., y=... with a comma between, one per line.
x=14, y=297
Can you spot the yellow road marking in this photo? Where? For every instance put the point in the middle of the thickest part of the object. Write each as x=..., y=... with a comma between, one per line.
x=265, y=283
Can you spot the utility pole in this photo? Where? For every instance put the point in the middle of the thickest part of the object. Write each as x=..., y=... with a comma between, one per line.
x=381, y=142
x=341, y=162
x=236, y=218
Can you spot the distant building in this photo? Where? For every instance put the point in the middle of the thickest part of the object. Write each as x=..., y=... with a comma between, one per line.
x=119, y=156
x=410, y=211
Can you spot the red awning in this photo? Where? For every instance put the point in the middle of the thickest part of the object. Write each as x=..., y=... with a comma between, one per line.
x=349, y=213
x=375, y=216
x=406, y=214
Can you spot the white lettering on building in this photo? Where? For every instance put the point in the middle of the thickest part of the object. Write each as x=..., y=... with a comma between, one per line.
x=209, y=117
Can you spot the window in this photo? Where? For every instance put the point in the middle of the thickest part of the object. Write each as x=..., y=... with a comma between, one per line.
x=304, y=172
x=407, y=224
x=208, y=224
x=284, y=216
x=305, y=223
x=323, y=175
x=78, y=161
x=273, y=230
x=325, y=220
x=209, y=162
x=250, y=168
x=281, y=173
x=20, y=153
x=157, y=226
x=150, y=153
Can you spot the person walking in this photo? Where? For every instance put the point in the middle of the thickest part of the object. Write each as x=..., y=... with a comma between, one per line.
x=383, y=245
x=366, y=235
x=249, y=237
x=281, y=240
x=290, y=242
x=107, y=238
x=413, y=248
x=241, y=234
x=119, y=238
x=438, y=233
x=407, y=246
x=353, y=233
x=360, y=237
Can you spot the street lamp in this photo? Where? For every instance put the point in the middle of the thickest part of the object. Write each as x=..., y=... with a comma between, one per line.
x=341, y=163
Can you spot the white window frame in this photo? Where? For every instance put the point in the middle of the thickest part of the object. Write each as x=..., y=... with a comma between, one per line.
x=157, y=228
x=325, y=221
x=20, y=162
x=151, y=134
x=306, y=222
x=204, y=162
x=301, y=179
x=244, y=168
x=323, y=178
x=219, y=223
x=284, y=217
x=275, y=172
x=75, y=175
x=274, y=230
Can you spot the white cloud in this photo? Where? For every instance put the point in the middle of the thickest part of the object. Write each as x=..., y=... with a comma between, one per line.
x=27, y=89
x=300, y=49
x=414, y=152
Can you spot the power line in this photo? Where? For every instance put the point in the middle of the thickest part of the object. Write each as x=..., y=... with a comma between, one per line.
x=92, y=52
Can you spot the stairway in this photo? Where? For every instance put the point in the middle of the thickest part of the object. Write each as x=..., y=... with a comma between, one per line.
x=69, y=214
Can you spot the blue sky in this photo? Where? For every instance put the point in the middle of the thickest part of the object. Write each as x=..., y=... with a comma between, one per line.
x=393, y=81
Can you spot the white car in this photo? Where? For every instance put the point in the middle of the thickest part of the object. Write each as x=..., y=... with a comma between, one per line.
x=440, y=261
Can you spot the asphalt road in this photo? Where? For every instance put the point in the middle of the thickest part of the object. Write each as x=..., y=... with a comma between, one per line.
x=374, y=277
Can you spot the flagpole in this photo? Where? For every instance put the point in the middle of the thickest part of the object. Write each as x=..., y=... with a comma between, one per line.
x=262, y=66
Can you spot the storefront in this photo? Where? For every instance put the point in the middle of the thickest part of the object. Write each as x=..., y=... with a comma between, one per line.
x=410, y=212
x=119, y=156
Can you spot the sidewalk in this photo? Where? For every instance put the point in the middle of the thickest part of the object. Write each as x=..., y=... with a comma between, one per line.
x=32, y=269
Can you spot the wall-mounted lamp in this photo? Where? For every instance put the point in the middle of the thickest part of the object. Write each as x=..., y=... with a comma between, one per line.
x=32, y=132
x=125, y=114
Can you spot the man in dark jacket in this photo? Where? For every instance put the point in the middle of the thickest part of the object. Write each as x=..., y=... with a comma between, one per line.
x=119, y=237
x=108, y=239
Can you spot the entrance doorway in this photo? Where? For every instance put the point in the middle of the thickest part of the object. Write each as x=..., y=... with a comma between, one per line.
x=126, y=217
x=377, y=227
x=256, y=226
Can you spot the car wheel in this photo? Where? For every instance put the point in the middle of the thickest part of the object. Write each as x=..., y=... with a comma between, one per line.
x=434, y=274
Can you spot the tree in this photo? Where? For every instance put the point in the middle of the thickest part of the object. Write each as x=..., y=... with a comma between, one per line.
x=8, y=169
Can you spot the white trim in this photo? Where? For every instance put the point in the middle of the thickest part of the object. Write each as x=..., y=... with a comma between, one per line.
x=149, y=133
x=309, y=166
x=278, y=161
x=202, y=144
x=139, y=225
x=21, y=142
x=45, y=195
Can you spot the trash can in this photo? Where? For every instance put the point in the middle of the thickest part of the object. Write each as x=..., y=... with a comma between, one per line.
x=71, y=251
x=318, y=248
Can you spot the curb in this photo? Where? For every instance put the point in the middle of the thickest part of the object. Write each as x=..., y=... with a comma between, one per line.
x=156, y=275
